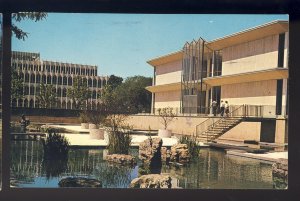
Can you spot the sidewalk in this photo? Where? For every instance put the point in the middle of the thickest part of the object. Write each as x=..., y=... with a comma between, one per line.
x=80, y=138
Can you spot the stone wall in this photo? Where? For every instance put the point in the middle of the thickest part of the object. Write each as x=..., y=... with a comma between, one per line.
x=46, y=119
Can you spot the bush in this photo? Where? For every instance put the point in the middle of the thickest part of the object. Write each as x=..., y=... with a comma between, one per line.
x=119, y=134
x=95, y=117
x=166, y=116
x=191, y=143
x=83, y=116
x=55, y=146
x=119, y=141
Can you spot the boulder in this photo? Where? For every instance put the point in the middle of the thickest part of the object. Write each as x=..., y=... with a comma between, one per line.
x=79, y=182
x=280, y=169
x=121, y=159
x=150, y=151
x=152, y=181
x=180, y=153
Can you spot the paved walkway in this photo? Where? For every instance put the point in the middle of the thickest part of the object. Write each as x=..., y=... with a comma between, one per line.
x=78, y=139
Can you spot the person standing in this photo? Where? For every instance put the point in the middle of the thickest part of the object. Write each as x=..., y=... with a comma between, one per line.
x=214, y=107
x=24, y=123
x=226, y=108
x=222, y=108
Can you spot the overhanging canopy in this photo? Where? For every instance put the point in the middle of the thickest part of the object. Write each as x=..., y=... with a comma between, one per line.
x=270, y=74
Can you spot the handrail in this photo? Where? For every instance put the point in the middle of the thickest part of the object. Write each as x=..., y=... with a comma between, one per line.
x=226, y=116
x=212, y=125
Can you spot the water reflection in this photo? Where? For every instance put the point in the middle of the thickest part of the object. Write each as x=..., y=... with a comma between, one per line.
x=214, y=169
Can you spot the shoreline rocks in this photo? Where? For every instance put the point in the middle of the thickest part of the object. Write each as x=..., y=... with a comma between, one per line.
x=180, y=153
x=121, y=159
x=79, y=182
x=152, y=181
x=150, y=151
x=280, y=174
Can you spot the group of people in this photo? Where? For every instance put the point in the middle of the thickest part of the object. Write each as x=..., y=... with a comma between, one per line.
x=224, y=108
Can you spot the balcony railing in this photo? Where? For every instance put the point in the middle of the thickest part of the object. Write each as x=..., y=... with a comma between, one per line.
x=245, y=111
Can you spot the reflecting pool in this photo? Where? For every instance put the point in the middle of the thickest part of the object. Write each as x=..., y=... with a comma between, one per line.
x=212, y=170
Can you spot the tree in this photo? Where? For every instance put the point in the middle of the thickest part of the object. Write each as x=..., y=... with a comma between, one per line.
x=79, y=92
x=16, y=85
x=114, y=81
x=166, y=116
x=18, y=17
x=134, y=95
x=47, y=97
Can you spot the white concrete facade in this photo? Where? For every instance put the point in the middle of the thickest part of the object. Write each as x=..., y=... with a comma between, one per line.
x=243, y=56
x=35, y=71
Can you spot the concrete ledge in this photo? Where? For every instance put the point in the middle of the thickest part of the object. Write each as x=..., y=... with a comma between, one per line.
x=268, y=157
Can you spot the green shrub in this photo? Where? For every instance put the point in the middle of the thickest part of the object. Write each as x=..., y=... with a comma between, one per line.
x=55, y=146
x=119, y=141
x=83, y=116
x=191, y=143
x=95, y=117
x=119, y=134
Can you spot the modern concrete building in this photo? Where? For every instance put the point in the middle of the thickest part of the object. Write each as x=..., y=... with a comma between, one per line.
x=33, y=70
x=249, y=69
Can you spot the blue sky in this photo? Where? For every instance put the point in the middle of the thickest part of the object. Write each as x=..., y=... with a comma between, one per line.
x=121, y=44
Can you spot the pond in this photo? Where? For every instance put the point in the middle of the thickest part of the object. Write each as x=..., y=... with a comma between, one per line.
x=212, y=170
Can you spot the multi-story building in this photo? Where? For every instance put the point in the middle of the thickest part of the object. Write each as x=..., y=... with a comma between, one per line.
x=34, y=71
x=248, y=68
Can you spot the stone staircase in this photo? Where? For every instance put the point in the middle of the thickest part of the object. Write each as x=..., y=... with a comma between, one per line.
x=218, y=128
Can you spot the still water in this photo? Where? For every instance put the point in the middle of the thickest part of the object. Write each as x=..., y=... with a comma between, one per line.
x=212, y=170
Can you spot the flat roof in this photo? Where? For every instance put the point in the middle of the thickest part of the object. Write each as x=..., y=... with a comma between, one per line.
x=254, y=33
x=166, y=58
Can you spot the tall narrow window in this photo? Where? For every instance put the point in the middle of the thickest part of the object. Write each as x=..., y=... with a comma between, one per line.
x=281, y=49
x=279, y=97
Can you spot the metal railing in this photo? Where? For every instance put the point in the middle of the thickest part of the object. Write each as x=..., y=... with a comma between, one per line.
x=238, y=111
x=187, y=111
x=248, y=111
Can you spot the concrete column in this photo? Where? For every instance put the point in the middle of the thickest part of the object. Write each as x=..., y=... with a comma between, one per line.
x=280, y=130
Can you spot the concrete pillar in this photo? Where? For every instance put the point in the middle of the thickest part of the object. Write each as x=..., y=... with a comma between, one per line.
x=280, y=130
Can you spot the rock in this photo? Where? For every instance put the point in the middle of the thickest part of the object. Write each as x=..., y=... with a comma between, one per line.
x=121, y=159
x=79, y=182
x=152, y=181
x=280, y=169
x=180, y=153
x=150, y=151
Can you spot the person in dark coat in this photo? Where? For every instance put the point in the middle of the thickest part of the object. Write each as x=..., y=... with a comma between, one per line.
x=214, y=107
x=24, y=123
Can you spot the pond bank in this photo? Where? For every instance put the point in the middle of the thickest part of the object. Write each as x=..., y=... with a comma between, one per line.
x=79, y=138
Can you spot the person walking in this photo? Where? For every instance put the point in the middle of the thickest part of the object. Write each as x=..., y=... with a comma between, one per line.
x=226, y=108
x=214, y=107
x=222, y=108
